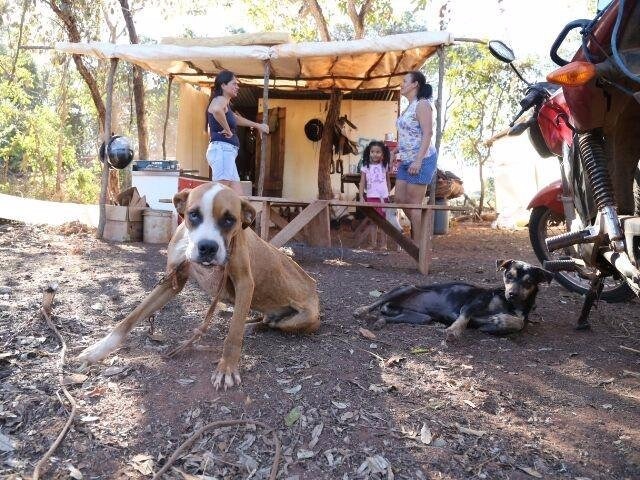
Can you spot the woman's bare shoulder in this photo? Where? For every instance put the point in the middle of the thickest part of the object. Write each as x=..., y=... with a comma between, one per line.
x=218, y=103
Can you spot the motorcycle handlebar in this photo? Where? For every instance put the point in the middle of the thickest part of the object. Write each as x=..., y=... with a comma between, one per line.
x=557, y=59
x=533, y=97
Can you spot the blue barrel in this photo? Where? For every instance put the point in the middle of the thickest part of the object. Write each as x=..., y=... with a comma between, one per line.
x=441, y=218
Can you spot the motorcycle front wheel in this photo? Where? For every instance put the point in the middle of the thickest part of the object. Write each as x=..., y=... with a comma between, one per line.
x=544, y=223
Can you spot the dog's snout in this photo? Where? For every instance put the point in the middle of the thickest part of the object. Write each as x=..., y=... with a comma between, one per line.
x=207, y=249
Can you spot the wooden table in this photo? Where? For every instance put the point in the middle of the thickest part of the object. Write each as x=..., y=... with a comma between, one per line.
x=312, y=223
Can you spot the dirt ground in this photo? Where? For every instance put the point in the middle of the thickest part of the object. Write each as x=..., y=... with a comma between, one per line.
x=547, y=403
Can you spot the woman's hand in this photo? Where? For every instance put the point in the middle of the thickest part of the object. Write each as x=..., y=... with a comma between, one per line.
x=226, y=133
x=263, y=127
x=414, y=167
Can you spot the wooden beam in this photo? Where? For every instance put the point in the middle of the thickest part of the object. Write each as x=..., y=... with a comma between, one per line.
x=424, y=241
x=263, y=137
x=166, y=118
x=405, y=243
x=282, y=222
x=265, y=213
x=353, y=203
x=318, y=229
x=298, y=223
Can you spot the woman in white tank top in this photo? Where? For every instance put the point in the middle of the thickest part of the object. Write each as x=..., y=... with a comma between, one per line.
x=418, y=156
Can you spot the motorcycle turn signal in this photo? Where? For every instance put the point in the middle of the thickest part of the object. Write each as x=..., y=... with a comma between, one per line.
x=573, y=74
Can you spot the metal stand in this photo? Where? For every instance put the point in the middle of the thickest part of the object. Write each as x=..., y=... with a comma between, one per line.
x=595, y=289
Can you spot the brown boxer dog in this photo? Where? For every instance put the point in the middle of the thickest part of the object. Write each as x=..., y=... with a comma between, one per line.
x=214, y=233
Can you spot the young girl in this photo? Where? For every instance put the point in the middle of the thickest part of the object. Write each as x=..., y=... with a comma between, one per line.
x=374, y=180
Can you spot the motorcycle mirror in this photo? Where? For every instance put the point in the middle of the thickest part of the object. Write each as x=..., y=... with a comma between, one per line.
x=500, y=50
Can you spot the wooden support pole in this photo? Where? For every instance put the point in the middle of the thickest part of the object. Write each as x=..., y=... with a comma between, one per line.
x=265, y=214
x=405, y=242
x=298, y=223
x=439, y=103
x=424, y=240
x=166, y=119
x=265, y=120
x=104, y=180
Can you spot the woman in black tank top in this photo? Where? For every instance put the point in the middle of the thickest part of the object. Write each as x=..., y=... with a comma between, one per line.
x=222, y=123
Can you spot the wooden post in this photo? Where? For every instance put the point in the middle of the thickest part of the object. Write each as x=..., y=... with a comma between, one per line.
x=265, y=215
x=428, y=216
x=439, y=112
x=265, y=119
x=166, y=119
x=104, y=180
x=424, y=240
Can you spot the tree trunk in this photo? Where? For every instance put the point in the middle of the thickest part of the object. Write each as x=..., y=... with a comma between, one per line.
x=15, y=56
x=64, y=110
x=481, y=200
x=326, y=146
x=138, y=87
x=65, y=14
x=104, y=181
x=357, y=18
x=321, y=22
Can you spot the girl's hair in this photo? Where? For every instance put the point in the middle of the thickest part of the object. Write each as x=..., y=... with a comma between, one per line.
x=224, y=77
x=425, y=90
x=386, y=154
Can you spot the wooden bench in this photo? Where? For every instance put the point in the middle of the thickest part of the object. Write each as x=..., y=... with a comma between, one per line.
x=312, y=223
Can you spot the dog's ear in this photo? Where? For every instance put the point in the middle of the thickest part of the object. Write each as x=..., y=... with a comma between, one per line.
x=503, y=264
x=248, y=213
x=543, y=275
x=180, y=200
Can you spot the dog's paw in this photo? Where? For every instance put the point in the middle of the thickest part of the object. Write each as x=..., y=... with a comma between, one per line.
x=378, y=324
x=100, y=350
x=226, y=374
x=360, y=312
x=452, y=333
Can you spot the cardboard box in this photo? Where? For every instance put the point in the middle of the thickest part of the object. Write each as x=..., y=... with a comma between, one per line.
x=123, y=224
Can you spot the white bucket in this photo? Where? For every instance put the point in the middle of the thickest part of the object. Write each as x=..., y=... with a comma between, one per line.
x=158, y=226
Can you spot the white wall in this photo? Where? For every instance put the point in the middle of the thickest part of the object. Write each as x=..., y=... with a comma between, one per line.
x=373, y=119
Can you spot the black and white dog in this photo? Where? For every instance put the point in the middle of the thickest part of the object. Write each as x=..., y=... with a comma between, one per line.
x=458, y=305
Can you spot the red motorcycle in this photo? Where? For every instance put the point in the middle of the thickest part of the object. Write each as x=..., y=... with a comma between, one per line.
x=586, y=226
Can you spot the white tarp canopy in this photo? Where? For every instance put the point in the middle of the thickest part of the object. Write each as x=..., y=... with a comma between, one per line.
x=371, y=63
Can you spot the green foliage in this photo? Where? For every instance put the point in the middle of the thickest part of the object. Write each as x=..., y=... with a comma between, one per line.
x=485, y=94
x=82, y=185
x=286, y=15
x=484, y=97
x=31, y=132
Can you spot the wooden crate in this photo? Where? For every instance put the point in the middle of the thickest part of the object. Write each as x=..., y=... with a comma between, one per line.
x=123, y=224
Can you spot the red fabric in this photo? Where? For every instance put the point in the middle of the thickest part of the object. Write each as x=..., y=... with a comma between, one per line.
x=378, y=200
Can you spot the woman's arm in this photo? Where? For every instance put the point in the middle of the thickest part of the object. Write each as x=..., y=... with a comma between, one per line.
x=216, y=108
x=243, y=122
x=424, y=114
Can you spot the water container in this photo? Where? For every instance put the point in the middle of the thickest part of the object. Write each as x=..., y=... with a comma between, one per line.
x=441, y=218
x=158, y=226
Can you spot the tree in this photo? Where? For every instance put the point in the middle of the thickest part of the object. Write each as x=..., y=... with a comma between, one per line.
x=68, y=13
x=485, y=95
x=138, y=86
